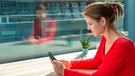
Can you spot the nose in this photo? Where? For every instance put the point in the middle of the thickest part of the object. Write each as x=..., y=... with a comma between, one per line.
x=88, y=28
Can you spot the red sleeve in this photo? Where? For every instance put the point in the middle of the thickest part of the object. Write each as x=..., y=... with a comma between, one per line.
x=90, y=63
x=87, y=64
x=114, y=61
x=35, y=29
x=69, y=72
x=52, y=32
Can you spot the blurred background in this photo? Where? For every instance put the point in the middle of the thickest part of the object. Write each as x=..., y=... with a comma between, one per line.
x=16, y=24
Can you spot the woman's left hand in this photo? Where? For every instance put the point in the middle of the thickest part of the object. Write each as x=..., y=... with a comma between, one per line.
x=58, y=67
x=34, y=41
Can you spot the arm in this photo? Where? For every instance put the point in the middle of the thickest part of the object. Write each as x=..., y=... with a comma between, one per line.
x=90, y=63
x=35, y=29
x=114, y=61
x=51, y=33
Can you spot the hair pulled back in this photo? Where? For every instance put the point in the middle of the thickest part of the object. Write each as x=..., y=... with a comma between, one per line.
x=110, y=11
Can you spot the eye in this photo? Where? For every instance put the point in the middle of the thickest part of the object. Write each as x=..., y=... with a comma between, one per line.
x=89, y=24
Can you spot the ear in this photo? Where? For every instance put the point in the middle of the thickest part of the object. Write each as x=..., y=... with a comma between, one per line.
x=103, y=21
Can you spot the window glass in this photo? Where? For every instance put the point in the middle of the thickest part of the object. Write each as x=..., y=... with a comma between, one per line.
x=17, y=24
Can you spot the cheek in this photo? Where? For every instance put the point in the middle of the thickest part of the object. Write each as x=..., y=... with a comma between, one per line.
x=101, y=29
x=97, y=30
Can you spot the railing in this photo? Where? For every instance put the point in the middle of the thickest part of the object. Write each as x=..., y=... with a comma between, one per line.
x=14, y=26
x=9, y=19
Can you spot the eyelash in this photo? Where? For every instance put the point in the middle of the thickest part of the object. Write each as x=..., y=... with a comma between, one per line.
x=90, y=24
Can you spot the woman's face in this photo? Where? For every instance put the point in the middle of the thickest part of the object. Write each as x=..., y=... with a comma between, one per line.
x=41, y=14
x=97, y=27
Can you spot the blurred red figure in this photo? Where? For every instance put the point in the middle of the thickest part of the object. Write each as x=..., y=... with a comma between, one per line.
x=44, y=27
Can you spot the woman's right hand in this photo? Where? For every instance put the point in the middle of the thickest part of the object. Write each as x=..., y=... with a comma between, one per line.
x=58, y=67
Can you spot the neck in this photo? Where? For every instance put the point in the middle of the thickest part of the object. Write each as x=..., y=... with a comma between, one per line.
x=112, y=35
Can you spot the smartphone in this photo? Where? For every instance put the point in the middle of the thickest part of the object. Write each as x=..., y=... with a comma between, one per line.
x=51, y=56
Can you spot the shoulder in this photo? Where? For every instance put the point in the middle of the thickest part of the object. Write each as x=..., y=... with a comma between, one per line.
x=36, y=19
x=51, y=19
x=124, y=43
x=123, y=47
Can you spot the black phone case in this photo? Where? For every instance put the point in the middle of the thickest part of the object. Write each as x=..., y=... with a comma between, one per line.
x=51, y=56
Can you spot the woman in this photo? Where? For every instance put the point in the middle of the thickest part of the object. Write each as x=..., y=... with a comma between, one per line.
x=44, y=27
x=116, y=53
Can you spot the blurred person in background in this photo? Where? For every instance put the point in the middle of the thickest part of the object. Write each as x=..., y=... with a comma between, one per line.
x=44, y=28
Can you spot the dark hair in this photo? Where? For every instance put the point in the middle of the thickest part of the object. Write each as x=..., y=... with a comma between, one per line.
x=41, y=6
x=111, y=11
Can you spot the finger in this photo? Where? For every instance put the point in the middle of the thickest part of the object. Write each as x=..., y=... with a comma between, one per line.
x=61, y=60
x=60, y=65
x=57, y=63
x=52, y=62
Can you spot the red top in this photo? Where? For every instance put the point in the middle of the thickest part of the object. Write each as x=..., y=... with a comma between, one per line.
x=119, y=61
x=44, y=33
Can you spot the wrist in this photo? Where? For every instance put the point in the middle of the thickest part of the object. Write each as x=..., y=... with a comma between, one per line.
x=63, y=72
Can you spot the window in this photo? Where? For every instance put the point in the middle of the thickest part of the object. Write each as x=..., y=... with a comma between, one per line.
x=16, y=24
